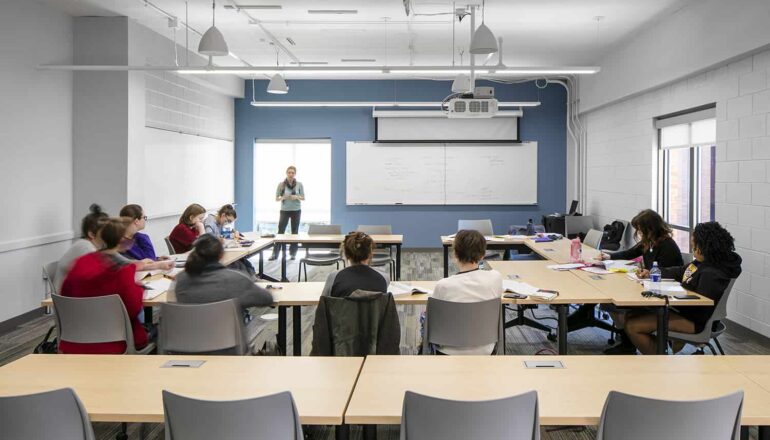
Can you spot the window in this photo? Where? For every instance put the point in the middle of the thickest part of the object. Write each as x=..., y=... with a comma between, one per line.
x=687, y=171
x=313, y=161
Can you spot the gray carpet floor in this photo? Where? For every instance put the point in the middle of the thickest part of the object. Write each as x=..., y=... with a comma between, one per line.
x=416, y=266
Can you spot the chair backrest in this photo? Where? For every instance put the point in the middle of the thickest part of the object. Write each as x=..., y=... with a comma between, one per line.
x=463, y=324
x=260, y=418
x=93, y=320
x=687, y=258
x=375, y=229
x=513, y=417
x=577, y=224
x=201, y=328
x=57, y=414
x=630, y=417
x=522, y=229
x=593, y=238
x=170, y=246
x=315, y=229
x=49, y=272
x=720, y=309
x=483, y=226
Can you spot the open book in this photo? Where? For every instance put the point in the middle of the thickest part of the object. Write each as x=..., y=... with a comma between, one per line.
x=667, y=287
x=526, y=289
x=155, y=288
x=399, y=289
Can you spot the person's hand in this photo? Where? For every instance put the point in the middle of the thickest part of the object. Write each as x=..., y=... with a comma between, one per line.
x=165, y=264
x=604, y=256
x=643, y=273
x=237, y=235
x=199, y=227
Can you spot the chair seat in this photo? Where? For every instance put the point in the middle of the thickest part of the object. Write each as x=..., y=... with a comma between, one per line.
x=381, y=261
x=698, y=338
x=321, y=260
x=149, y=348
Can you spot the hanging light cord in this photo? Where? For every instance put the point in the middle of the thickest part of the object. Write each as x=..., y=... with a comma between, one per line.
x=214, y=13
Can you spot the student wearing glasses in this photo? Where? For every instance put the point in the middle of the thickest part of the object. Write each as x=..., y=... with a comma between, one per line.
x=213, y=225
x=715, y=263
x=137, y=247
x=358, y=248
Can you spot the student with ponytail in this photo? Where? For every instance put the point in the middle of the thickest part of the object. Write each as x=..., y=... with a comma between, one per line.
x=206, y=280
x=87, y=243
x=357, y=248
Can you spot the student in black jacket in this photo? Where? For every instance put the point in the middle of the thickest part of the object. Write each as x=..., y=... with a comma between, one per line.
x=715, y=264
x=358, y=249
x=654, y=244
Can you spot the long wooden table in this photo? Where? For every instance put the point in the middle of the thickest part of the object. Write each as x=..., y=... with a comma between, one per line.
x=325, y=241
x=128, y=388
x=573, y=395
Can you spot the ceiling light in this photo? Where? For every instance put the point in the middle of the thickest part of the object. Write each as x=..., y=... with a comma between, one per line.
x=263, y=7
x=483, y=40
x=332, y=11
x=358, y=60
x=461, y=84
x=277, y=85
x=309, y=63
x=213, y=42
x=410, y=104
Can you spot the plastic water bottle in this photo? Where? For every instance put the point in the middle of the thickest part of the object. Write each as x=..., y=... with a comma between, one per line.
x=227, y=231
x=530, y=228
x=576, y=251
x=655, y=276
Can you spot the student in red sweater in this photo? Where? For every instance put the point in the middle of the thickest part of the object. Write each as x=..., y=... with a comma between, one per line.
x=189, y=228
x=102, y=273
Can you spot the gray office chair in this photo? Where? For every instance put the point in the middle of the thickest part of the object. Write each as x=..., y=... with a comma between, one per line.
x=170, y=246
x=201, y=328
x=484, y=226
x=57, y=414
x=593, y=238
x=522, y=229
x=577, y=224
x=426, y=417
x=629, y=417
x=714, y=327
x=260, y=418
x=94, y=320
x=327, y=256
x=463, y=324
x=49, y=273
x=381, y=257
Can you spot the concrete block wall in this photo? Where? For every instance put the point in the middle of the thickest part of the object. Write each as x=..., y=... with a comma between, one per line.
x=621, y=172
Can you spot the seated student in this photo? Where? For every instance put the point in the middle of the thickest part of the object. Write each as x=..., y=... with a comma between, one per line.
x=358, y=249
x=715, y=264
x=106, y=273
x=470, y=284
x=87, y=243
x=655, y=244
x=189, y=228
x=213, y=224
x=206, y=280
x=137, y=247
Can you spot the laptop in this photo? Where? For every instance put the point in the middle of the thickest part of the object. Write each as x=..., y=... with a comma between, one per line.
x=573, y=208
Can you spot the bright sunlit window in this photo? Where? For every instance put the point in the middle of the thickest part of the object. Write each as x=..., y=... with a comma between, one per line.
x=687, y=159
x=313, y=161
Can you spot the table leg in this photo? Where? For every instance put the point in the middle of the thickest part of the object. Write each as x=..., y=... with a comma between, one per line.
x=744, y=433
x=296, y=319
x=446, y=261
x=342, y=432
x=398, y=261
x=562, y=337
x=148, y=315
x=283, y=263
x=261, y=266
x=370, y=432
x=764, y=433
x=662, y=333
x=282, y=329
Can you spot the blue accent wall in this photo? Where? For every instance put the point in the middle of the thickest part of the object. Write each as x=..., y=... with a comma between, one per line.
x=421, y=225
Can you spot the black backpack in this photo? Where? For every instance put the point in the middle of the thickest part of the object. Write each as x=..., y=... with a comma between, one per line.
x=613, y=234
x=46, y=346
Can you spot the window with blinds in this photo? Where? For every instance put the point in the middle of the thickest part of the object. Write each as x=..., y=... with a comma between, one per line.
x=687, y=159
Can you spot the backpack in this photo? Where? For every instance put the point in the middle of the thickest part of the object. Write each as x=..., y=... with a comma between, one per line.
x=613, y=233
x=46, y=346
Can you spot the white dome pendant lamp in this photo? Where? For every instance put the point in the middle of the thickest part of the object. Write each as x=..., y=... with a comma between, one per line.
x=277, y=84
x=213, y=42
x=483, y=41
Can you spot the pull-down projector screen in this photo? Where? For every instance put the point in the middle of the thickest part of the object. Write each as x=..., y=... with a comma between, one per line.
x=441, y=174
x=411, y=129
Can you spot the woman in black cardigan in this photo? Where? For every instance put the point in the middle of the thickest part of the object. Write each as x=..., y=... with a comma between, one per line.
x=715, y=264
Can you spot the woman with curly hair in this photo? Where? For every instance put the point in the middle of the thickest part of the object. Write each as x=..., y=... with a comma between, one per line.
x=715, y=264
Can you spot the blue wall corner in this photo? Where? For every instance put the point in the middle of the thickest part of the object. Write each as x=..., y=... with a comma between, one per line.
x=421, y=225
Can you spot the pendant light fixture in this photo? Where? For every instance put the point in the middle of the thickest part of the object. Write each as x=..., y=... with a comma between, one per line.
x=213, y=42
x=483, y=41
x=277, y=84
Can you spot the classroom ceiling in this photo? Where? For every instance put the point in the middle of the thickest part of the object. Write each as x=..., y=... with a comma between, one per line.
x=535, y=32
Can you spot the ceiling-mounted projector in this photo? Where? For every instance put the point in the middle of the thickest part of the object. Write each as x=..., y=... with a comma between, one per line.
x=480, y=104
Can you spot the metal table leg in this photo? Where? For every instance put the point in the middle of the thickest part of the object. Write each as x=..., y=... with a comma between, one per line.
x=282, y=329
x=662, y=333
x=398, y=261
x=283, y=263
x=562, y=332
x=446, y=261
x=297, y=326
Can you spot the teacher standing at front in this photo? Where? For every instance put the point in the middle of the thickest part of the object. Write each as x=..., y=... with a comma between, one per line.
x=290, y=193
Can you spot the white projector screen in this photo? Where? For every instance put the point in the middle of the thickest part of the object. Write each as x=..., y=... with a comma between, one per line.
x=441, y=174
x=502, y=129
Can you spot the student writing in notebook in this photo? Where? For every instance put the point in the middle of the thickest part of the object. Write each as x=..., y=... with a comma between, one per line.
x=190, y=226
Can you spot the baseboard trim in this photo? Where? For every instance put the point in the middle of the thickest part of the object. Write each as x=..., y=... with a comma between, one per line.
x=12, y=324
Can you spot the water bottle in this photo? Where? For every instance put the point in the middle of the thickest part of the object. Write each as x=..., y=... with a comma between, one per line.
x=655, y=276
x=227, y=231
x=530, y=228
x=576, y=251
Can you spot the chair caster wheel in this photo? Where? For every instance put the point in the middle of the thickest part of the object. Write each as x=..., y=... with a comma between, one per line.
x=551, y=337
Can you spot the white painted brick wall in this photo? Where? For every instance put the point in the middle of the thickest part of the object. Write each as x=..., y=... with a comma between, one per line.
x=620, y=179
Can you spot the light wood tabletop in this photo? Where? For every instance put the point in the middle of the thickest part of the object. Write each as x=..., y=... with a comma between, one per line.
x=491, y=239
x=558, y=250
x=128, y=388
x=234, y=254
x=333, y=239
x=574, y=395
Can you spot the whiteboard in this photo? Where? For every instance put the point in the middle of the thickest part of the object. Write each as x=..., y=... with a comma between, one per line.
x=441, y=174
x=181, y=169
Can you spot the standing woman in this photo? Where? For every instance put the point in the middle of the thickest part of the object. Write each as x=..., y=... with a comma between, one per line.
x=290, y=193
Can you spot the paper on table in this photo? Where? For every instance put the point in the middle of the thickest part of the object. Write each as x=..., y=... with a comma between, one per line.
x=519, y=287
x=664, y=286
x=155, y=288
x=399, y=289
x=632, y=276
x=568, y=266
x=596, y=270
